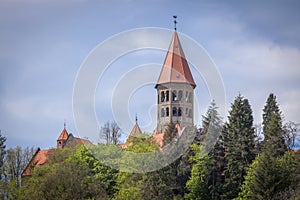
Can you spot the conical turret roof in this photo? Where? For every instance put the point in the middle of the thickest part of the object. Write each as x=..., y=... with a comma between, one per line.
x=64, y=135
x=175, y=68
x=136, y=131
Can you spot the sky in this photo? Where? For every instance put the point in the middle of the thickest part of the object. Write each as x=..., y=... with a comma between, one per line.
x=255, y=46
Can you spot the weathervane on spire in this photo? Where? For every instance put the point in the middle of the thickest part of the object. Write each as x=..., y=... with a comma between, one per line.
x=175, y=22
x=64, y=123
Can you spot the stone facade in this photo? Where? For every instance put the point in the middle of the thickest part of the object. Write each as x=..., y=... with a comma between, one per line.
x=175, y=105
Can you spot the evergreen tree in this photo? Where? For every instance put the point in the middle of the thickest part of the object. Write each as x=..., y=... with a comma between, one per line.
x=273, y=144
x=211, y=124
x=206, y=179
x=197, y=185
x=212, y=127
x=217, y=167
x=239, y=143
x=275, y=172
x=272, y=178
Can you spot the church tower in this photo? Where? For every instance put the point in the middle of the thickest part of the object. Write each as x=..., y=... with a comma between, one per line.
x=61, y=140
x=175, y=88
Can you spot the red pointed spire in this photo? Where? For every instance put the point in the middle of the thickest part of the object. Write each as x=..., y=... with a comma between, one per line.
x=64, y=134
x=175, y=68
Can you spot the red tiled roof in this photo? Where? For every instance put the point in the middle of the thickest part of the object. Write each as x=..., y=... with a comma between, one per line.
x=158, y=138
x=175, y=68
x=82, y=141
x=64, y=135
x=296, y=150
x=39, y=158
x=122, y=146
x=177, y=126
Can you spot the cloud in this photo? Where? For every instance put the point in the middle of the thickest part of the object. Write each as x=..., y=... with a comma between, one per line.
x=257, y=68
x=255, y=52
x=255, y=47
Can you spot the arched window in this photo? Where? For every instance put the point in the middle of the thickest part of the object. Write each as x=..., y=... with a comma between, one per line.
x=162, y=96
x=167, y=96
x=190, y=97
x=179, y=111
x=180, y=95
x=167, y=112
x=186, y=96
x=174, y=95
x=190, y=113
x=162, y=112
x=187, y=112
x=174, y=111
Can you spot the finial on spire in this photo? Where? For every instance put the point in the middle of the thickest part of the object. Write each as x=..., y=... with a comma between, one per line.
x=136, y=119
x=64, y=123
x=175, y=22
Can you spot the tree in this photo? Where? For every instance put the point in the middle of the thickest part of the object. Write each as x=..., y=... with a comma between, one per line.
x=197, y=185
x=275, y=172
x=217, y=167
x=272, y=178
x=206, y=176
x=258, y=136
x=239, y=143
x=115, y=133
x=3, y=185
x=212, y=126
x=15, y=160
x=70, y=173
x=148, y=185
x=14, y=164
x=273, y=143
x=170, y=134
x=110, y=132
x=291, y=133
x=2, y=153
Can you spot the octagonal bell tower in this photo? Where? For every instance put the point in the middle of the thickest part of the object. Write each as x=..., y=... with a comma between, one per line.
x=175, y=89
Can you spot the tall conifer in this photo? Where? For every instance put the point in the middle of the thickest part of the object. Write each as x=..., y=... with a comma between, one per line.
x=239, y=145
x=205, y=180
x=273, y=143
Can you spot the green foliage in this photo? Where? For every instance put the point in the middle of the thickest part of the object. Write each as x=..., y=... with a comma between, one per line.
x=239, y=142
x=273, y=144
x=164, y=183
x=271, y=177
x=206, y=179
x=212, y=126
x=141, y=145
x=197, y=185
x=217, y=168
x=214, y=167
x=69, y=174
x=149, y=185
x=270, y=108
